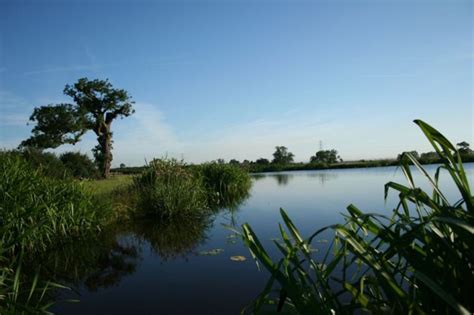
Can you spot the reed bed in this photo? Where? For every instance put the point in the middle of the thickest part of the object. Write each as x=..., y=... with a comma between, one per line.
x=226, y=185
x=168, y=189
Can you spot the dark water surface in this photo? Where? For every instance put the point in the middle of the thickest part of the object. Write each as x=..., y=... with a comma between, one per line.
x=146, y=268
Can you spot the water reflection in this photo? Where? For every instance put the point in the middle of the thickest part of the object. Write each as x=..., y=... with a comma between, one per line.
x=173, y=239
x=96, y=263
x=258, y=176
x=323, y=177
x=103, y=261
x=284, y=179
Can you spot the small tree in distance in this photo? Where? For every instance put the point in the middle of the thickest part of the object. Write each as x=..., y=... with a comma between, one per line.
x=97, y=105
x=262, y=161
x=463, y=147
x=282, y=156
x=325, y=156
x=234, y=162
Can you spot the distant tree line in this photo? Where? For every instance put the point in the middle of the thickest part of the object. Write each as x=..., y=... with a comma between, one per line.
x=466, y=153
x=283, y=160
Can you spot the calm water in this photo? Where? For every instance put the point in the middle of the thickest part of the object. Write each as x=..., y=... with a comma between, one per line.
x=152, y=269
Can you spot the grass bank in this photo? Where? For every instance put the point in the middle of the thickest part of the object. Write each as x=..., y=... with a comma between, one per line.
x=38, y=213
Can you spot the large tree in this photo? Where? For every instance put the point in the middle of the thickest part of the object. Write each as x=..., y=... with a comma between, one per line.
x=282, y=156
x=96, y=105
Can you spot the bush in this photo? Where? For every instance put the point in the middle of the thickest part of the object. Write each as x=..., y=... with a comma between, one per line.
x=45, y=162
x=37, y=211
x=226, y=185
x=168, y=189
x=79, y=165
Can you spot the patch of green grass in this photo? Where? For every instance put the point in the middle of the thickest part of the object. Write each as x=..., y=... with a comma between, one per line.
x=109, y=185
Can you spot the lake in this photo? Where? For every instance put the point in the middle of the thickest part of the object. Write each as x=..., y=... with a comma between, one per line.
x=147, y=268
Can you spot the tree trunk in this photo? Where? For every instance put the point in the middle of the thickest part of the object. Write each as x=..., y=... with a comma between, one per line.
x=103, y=152
x=107, y=155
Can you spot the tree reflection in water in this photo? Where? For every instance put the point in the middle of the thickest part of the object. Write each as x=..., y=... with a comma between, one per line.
x=173, y=239
x=102, y=261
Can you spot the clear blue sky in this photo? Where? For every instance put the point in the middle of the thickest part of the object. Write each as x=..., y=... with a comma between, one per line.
x=233, y=79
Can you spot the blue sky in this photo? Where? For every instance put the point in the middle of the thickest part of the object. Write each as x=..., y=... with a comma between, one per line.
x=233, y=79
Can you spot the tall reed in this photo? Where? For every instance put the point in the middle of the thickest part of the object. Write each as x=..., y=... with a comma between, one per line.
x=169, y=190
x=37, y=211
x=226, y=185
x=418, y=260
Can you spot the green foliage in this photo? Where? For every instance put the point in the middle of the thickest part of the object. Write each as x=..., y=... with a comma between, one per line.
x=55, y=125
x=46, y=163
x=282, y=156
x=37, y=211
x=18, y=293
x=419, y=260
x=171, y=189
x=325, y=156
x=234, y=162
x=97, y=104
x=463, y=148
x=79, y=165
x=262, y=161
x=412, y=153
x=226, y=184
x=168, y=189
x=429, y=157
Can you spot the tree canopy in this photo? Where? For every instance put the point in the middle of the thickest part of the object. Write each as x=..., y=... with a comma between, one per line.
x=282, y=155
x=464, y=148
x=325, y=156
x=96, y=105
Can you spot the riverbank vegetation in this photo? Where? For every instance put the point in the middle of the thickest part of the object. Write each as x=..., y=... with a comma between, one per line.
x=41, y=211
x=37, y=212
x=418, y=260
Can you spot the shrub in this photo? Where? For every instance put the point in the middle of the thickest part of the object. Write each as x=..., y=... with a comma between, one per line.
x=168, y=189
x=417, y=261
x=79, y=165
x=45, y=162
x=226, y=185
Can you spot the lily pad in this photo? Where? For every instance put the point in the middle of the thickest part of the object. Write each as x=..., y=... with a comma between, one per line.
x=238, y=258
x=212, y=252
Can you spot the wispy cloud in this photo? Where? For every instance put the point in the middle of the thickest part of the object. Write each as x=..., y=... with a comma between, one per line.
x=14, y=110
x=389, y=75
x=94, y=67
x=13, y=119
x=71, y=68
x=145, y=135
